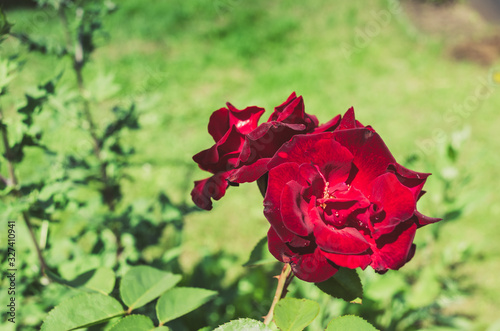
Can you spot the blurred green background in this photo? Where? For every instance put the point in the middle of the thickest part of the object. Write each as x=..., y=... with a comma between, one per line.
x=423, y=88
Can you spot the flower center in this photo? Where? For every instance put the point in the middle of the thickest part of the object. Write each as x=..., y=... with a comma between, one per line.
x=326, y=195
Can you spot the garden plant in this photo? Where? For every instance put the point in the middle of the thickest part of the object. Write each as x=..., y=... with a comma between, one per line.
x=88, y=244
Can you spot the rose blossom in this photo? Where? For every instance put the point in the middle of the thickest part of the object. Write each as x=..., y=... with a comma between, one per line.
x=242, y=149
x=228, y=127
x=340, y=199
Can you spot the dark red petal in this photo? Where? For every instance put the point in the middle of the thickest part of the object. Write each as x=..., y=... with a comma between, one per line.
x=293, y=112
x=244, y=120
x=310, y=176
x=424, y=220
x=349, y=261
x=278, y=177
x=344, y=241
x=371, y=155
x=207, y=158
x=331, y=125
x=409, y=178
x=277, y=247
x=392, y=250
x=348, y=121
x=294, y=210
x=411, y=252
x=219, y=123
x=266, y=139
x=339, y=209
x=250, y=173
x=312, y=122
x=396, y=200
x=223, y=155
x=231, y=142
x=313, y=267
x=210, y=188
x=279, y=109
x=318, y=149
x=310, y=267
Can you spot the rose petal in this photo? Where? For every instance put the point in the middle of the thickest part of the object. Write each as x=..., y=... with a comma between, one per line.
x=277, y=247
x=250, y=173
x=278, y=177
x=396, y=200
x=218, y=124
x=213, y=187
x=294, y=210
x=344, y=241
x=348, y=121
x=244, y=120
x=310, y=176
x=371, y=155
x=223, y=155
x=279, y=109
x=313, y=267
x=411, y=179
x=349, y=261
x=318, y=149
x=266, y=139
x=331, y=125
x=309, y=267
x=292, y=111
x=393, y=249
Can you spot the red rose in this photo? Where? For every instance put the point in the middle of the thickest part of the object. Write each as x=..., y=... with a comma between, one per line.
x=242, y=149
x=340, y=199
x=228, y=126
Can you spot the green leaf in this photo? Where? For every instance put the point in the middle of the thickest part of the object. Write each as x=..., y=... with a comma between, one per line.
x=100, y=280
x=143, y=284
x=260, y=255
x=295, y=314
x=133, y=323
x=82, y=311
x=4, y=25
x=345, y=284
x=350, y=322
x=180, y=301
x=243, y=324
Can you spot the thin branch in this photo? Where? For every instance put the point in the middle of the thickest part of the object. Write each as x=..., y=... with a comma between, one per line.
x=43, y=264
x=78, y=62
x=8, y=152
x=4, y=180
x=14, y=183
x=283, y=281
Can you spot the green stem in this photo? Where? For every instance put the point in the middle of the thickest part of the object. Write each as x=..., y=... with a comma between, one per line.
x=14, y=183
x=283, y=281
x=78, y=60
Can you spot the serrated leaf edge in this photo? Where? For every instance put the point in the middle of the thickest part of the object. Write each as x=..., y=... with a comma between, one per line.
x=111, y=328
x=86, y=325
x=132, y=306
x=211, y=297
x=242, y=320
x=303, y=300
x=352, y=316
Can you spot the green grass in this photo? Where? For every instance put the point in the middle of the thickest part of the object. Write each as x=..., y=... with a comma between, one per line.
x=183, y=60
